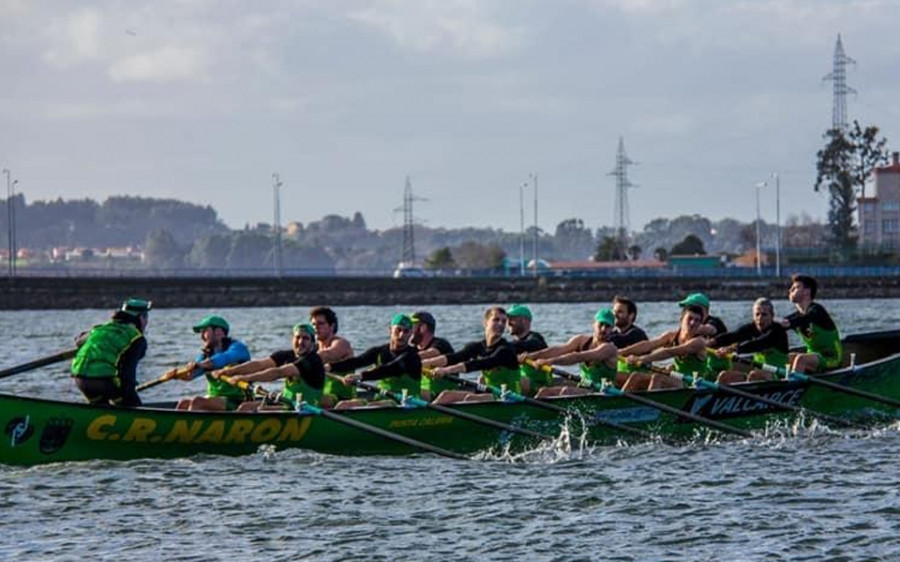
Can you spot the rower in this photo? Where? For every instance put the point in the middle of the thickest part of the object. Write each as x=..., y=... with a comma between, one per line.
x=105, y=366
x=763, y=337
x=711, y=327
x=598, y=357
x=625, y=332
x=815, y=327
x=685, y=345
x=218, y=351
x=300, y=367
x=331, y=348
x=525, y=340
x=493, y=356
x=396, y=365
x=429, y=346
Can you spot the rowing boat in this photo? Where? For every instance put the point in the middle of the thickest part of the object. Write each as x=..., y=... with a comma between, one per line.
x=40, y=431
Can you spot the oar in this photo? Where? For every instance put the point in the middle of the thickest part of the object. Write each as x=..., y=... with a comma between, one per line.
x=169, y=375
x=315, y=410
x=613, y=391
x=418, y=402
x=725, y=389
x=545, y=405
x=37, y=363
x=816, y=380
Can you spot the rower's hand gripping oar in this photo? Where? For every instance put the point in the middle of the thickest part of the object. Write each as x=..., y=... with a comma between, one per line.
x=418, y=402
x=506, y=394
x=613, y=391
x=37, y=363
x=167, y=376
x=690, y=380
x=305, y=408
x=795, y=375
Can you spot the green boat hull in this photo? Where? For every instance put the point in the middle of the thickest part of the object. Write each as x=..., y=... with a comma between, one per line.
x=40, y=431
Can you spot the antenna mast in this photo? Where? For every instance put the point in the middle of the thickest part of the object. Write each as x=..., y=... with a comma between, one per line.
x=621, y=219
x=838, y=77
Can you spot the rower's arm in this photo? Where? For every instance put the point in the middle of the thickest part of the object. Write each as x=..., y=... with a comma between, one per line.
x=251, y=366
x=694, y=346
x=599, y=354
x=646, y=346
x=267, y=375
x=556, y=350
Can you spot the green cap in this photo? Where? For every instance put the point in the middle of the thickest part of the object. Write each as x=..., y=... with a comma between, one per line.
x=304, y=327
x=136, y=307
x=402, y=320
x=519, y=310
x=605, y=316
x=211, y=321
x=697, y=299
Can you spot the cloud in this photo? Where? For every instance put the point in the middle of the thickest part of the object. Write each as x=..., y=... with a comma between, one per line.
x=161, y=65
x=75, y=39
x=452, y=27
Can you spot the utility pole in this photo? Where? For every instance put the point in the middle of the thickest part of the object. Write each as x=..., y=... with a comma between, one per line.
x=276, y=188
x=522, y=229
x=777, y=225
x=10, y=214
x=408, y=251
x=621, y=219
x=838, y=78
x=534, y=179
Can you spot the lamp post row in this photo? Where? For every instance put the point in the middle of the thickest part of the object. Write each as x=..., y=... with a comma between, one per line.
x=11, y=217
x=777, y=179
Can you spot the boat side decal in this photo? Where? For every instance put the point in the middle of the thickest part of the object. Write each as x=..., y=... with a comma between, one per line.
x=421, y=422
x=19, y=430
x=55, y=434
x=722, y=406
x=108, y=427
x=640, y=414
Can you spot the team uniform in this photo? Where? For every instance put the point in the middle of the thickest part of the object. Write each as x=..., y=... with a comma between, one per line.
x=595, y=373
x=309, y=384
x=630, y=336
x=532, y=342
x=234, y=352
x=498, y=363
x=436, y=386
x=105, y=366
x=820, y=335
x=394, y=371
x=769, y=347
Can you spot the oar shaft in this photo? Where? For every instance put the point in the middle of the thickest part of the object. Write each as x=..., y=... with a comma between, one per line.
x=339, y=418
x=463, y=415
x=38, y=363
x=822, y=382
x=552, y=407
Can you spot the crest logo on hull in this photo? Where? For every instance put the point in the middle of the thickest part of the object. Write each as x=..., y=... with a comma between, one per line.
x=55, y=434
x=19, y=430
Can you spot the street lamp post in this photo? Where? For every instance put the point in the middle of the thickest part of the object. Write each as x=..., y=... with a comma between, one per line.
x=777, y=224
x=534, y=177
x=758, y=256
x=522, y=229
x=9, y=216
x=276, y=186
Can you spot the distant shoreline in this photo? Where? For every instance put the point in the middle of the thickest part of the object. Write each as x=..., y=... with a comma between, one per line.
x=38, y=293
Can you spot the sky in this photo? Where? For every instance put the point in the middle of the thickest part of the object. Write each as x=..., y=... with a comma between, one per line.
x=204, y=100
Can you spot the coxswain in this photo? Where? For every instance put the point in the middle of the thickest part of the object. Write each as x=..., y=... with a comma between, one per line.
x=493, y=356
x=300, y=367
x=597, y=356
x=429, y=346
x=820, y=335
x=525, y=340
x=395, y=366
x=685, y=346
x=766, y=339
x=218, y=351
x=105, y=366
x=331, y=347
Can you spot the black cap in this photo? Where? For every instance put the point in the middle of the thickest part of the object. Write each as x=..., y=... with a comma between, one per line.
x=424, y=318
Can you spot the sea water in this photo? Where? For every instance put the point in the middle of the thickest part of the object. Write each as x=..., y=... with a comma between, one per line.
x=794, y=493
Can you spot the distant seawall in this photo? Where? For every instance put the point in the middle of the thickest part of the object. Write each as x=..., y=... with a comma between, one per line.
x=35, y=293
